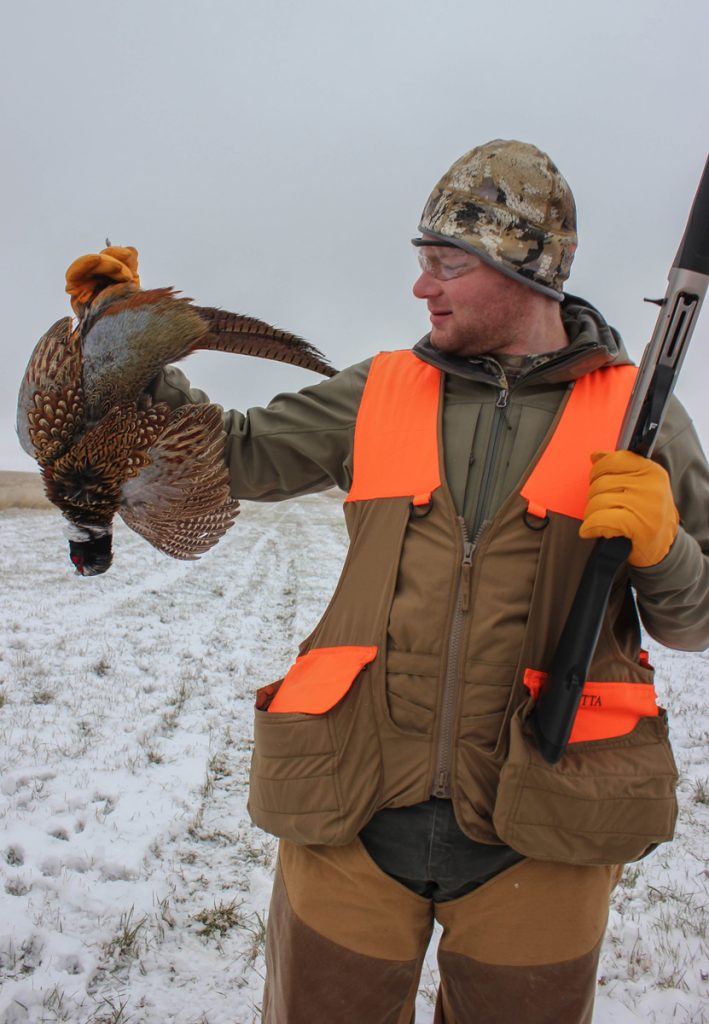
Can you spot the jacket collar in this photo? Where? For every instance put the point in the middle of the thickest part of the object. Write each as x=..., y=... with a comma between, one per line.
x=593, y=344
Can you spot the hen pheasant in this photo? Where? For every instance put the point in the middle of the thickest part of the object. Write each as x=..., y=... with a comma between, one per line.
x=104, y=447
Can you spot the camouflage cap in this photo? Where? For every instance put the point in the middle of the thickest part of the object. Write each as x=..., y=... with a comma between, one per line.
x=507, y=202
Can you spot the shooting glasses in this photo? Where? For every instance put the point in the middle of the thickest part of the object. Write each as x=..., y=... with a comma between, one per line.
x=444, y=260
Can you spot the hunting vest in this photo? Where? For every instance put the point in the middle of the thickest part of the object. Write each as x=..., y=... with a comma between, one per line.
x=421, y=675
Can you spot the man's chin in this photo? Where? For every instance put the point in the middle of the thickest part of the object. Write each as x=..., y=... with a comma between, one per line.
x=452, y=344
x=442, y=341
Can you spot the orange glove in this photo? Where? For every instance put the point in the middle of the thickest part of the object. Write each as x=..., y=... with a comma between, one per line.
x=630, y=496
x=117, y=264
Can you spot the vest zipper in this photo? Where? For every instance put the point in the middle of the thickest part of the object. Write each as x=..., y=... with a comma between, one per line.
x=441, y=787
x=500, y=417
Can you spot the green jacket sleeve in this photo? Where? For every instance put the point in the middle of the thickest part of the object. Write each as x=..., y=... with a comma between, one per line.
x=673, y=596
x=300, y=443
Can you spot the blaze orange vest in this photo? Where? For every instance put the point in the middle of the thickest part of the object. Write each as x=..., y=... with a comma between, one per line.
x=396, y=455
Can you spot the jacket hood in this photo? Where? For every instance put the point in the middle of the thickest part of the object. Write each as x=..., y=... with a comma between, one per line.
x=593, y=344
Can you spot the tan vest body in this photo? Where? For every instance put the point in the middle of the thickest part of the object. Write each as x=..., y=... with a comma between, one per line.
x=319, y=778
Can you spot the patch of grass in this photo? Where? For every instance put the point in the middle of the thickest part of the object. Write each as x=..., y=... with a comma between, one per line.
x=176, y=706
x=215, y=835
x=42, y=697
x=108, y=806
x=14, y=856
x=102, y=666
x=19, y=962
x=639, y=961
x=17, y=887
x=207, y=786
x=256, y=927
x=219, y=767
x=700, y=791
x=631, y=875
x=109, y=1012
x=54, y=1001
x=685, y=914
x=258, y=851
x=180, y=697
x=164, y=913
x=128, y=942
x=220, y=919
x=195, y=826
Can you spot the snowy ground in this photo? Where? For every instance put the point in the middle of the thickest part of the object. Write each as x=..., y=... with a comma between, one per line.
x=133, y=887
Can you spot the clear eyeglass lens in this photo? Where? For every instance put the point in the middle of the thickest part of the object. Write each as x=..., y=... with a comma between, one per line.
x=445, y=263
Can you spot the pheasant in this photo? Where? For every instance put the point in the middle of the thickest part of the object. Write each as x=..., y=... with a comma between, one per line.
x=102, y=445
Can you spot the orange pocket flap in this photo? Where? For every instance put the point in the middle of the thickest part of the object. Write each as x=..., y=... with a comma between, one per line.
x=320, y=678
x=606, y=709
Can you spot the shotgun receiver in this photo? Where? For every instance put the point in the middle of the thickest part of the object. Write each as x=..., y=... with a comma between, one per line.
x=555, y=710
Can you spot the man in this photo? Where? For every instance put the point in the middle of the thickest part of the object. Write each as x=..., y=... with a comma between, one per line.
x=395, y=759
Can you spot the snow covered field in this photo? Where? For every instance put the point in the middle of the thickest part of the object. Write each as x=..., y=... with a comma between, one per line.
x=133, y=887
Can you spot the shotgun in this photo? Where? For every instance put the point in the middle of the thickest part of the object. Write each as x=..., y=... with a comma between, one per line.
x=555, y=710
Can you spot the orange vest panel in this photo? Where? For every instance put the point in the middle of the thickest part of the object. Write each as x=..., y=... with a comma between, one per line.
x=590, y=422
x=320, y=678
x=396, y=433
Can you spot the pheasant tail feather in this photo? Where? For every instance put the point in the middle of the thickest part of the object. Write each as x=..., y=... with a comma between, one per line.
x=245, y=335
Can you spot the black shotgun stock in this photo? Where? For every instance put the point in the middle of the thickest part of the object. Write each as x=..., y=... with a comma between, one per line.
x=558, y=701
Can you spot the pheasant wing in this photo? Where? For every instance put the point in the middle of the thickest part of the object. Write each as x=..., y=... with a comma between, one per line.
x=180, y=502
x=50, y=407
x=126, y=341
x=129, y=335
x=232, y=332
x=187, y=538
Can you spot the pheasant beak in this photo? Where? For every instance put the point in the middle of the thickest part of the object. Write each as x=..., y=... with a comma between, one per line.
x=91, y=557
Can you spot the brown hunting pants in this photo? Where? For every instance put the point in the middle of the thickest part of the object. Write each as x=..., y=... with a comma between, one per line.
x=346, y=943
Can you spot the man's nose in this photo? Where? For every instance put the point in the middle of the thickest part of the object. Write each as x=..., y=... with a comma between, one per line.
x=426, y=286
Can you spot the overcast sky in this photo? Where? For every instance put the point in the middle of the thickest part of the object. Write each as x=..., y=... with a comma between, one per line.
x=273, y=157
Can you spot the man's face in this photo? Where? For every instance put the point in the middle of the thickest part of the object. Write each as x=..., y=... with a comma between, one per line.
x=482, y=312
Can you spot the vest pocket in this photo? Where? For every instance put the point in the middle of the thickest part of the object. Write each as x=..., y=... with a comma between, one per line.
x=486, y=700
x=411, y=691
x=315, y=773
x=607, y=801
x=607, y=709
x=319, y=679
